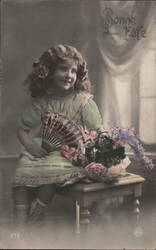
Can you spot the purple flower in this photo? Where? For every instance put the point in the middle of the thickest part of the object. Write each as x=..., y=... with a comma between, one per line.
x=123, y=136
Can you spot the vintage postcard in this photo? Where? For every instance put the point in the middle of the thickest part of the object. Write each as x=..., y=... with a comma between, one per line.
x=77, y=124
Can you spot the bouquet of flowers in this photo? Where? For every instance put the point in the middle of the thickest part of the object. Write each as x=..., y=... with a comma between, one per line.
x=102, y=153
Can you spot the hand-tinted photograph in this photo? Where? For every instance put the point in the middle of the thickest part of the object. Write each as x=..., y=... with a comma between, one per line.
x=77, y=124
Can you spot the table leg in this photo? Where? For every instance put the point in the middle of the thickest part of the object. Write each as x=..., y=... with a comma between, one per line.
x=84, y=219
x=136, y=210
x=77, y=218
x=82, y=222
x=138, y=229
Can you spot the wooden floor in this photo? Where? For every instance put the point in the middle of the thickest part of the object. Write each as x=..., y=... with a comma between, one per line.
x=106, y=232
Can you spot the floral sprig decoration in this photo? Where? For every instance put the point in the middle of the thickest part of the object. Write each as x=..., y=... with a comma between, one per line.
x=106, y=148
x=102, y=153
x=123, y=136
x=96, y=147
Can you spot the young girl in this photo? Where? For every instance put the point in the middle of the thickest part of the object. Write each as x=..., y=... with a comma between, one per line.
x=58, y=83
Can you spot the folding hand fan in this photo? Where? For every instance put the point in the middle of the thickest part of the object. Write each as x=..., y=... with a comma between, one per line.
x=58, y=131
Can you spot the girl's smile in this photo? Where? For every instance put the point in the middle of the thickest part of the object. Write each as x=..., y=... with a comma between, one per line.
x=65, y=75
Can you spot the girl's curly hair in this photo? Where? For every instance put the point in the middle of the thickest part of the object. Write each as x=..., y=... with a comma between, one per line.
x=39, y=79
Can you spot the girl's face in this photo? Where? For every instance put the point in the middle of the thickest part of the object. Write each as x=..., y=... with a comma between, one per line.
x=65, y=75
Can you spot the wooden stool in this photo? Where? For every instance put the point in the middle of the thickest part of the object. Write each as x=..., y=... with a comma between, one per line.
x=84, y=195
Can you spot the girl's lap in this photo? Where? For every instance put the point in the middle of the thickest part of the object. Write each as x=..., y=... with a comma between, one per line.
x=51, y=169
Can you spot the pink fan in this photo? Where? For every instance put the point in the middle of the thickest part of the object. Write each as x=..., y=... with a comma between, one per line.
x=58, y=131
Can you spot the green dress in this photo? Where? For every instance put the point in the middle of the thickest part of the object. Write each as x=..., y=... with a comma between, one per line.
x=54, y=168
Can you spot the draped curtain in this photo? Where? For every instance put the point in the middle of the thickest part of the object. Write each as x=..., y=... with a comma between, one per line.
x=120, y=50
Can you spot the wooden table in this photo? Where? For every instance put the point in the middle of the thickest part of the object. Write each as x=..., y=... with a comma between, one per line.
x=84, y=195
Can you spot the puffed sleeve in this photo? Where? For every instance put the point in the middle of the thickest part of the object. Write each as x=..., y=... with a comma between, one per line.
x=91, y=116
x=31, y=117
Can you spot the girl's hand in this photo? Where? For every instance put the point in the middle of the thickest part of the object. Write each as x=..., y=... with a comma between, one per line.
x=36, y=150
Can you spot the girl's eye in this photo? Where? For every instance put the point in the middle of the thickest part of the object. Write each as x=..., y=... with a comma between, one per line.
x=65, y=68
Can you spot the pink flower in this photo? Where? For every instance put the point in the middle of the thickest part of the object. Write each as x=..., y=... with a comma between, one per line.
x=68, y=152
x=82, y=73
x=41, y=70
x=88, y=135
x=96, y=171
